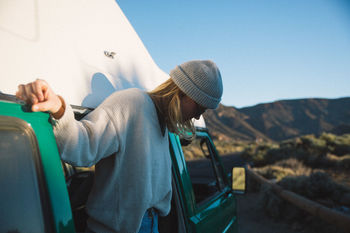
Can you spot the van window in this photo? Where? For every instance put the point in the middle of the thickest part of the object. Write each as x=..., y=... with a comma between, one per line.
x=202, y=167
x=20, y=202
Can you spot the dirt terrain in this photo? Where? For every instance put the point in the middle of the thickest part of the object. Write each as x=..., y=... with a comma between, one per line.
x=251, y=218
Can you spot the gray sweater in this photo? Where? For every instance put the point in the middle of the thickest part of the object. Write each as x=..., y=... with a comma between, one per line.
x=133, y=166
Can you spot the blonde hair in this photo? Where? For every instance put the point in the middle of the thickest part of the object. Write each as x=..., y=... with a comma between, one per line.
x=167, y=98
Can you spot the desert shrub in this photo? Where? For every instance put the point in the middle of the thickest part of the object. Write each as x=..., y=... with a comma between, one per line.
x=344, y=162
x=313, y=145
x=284, y=153
x=342, y=144
x=270, y=202
x=277, y=208
x=229, y=147
x=328, y=137
x=256, y=153
x=309, y=149
x=317, y=186
x=193, y=151
x=275, y=172
x=249, y=152
x=284, y=168
x=313, y=152
x=338, y=145
x=296, y=165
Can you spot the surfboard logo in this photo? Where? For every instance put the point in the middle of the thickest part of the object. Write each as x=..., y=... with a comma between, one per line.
x=110, y=54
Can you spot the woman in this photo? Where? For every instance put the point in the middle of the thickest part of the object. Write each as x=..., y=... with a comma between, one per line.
x=126, y=138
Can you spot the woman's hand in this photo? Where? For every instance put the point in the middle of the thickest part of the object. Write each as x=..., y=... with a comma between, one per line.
x=40, y=95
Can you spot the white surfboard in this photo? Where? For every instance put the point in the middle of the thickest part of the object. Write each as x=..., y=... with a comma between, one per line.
x=86, y=50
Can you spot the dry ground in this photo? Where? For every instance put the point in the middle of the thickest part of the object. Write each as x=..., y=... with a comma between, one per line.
x=252, y=219
x=251, y=216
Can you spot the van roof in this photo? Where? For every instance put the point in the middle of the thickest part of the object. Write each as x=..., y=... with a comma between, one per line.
x=85, y=50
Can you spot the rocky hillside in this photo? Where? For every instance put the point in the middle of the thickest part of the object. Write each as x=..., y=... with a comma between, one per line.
x=280, y=120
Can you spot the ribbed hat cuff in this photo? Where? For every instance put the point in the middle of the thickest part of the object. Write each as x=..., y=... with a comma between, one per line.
x=186, y=85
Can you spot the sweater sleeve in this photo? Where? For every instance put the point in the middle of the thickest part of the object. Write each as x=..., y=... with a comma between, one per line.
x=85, y=142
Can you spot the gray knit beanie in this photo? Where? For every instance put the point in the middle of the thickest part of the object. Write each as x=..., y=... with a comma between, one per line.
x=199, y=80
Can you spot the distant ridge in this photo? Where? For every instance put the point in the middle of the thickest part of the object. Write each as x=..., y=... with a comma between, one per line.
x=280, y=120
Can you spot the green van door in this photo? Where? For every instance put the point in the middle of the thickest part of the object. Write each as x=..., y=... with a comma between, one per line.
x=34, y=195
x=209, y=203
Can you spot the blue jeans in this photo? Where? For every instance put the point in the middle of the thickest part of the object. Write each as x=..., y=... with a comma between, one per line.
x=149, y=222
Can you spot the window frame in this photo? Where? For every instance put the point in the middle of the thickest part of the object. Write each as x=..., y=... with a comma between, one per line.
x=219, y=177
x=10, y=123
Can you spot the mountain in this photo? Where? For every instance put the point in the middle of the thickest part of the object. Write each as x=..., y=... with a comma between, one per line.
x=228, y=122
x=280, y=120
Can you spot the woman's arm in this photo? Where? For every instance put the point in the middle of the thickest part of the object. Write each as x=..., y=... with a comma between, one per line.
x=81, y=143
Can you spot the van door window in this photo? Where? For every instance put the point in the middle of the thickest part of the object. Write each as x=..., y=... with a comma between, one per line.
x=203, y=170
x=20, y=197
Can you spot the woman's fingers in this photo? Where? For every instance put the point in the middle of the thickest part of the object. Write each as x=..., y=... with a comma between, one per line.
x=20, y=92
x=24, y=93
x=40, y=96
x=42, y=107
x=36, y=87
x=31, y=96
x=34, y=92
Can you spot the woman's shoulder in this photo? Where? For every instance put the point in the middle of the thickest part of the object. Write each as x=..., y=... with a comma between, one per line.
x=132, y=97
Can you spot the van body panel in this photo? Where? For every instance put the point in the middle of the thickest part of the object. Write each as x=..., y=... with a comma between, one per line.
x=50, y=161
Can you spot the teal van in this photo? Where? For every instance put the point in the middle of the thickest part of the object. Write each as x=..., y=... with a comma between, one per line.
x=87, y=50
x=40, y=193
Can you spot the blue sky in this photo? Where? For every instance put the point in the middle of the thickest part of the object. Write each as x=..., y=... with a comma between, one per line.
x=266, y=50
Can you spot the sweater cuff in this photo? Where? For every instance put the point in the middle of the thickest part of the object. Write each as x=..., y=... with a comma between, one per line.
x=66, y=117
x=57, y=115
